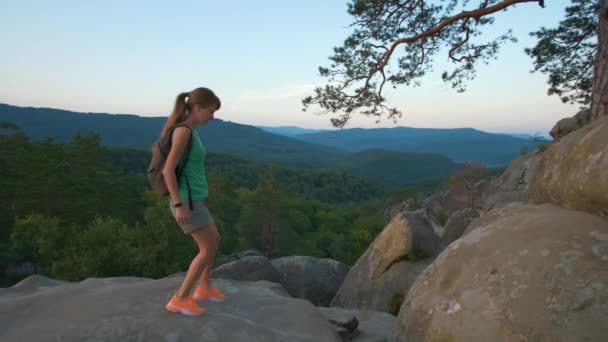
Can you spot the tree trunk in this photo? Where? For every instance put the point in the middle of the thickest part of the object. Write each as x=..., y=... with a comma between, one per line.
x=599, y=100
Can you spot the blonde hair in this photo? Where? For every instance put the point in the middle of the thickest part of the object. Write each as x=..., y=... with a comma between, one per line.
x=184, y=103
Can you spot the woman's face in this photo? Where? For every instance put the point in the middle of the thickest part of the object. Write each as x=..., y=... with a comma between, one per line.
x=204, y=114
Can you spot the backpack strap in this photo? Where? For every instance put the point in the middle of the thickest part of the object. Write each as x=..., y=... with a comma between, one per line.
x=179, y=170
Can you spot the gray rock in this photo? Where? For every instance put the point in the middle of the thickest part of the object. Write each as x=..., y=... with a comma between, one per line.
x=457, y=224
x=425, y=241
x=30, y=285
x=344, y=321
x=251, y=268
x=434, y=205
x=116, y=310
x=512, y=186
x=373, y=326
x=316, y=280
x=521, y=272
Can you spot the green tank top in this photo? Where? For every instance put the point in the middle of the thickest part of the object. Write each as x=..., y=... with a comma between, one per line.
x=195, y=171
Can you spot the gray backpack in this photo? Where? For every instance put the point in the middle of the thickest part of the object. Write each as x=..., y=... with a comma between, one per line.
x=160, y=151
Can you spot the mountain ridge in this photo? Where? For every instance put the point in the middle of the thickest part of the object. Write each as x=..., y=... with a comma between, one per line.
x=219, y=137
x=458, y=144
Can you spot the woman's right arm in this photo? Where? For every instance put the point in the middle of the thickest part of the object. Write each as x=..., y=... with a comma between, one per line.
x=179, y=141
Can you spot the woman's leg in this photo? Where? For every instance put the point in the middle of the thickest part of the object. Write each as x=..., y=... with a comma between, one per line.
x=213, y=241
x=198, y=263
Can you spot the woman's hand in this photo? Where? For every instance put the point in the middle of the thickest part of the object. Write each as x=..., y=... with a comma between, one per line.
x=182, y=215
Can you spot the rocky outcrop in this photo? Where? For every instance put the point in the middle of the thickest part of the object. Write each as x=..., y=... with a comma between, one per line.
x=521, y=272
x=383, y=274
x=316, y=280
x=383, y=293
x=360, y=325
x=457, y=224
x=394, y=209
x=132, y=309
x=570, y=172
x=446, y=203
x=434, y=205
x=250, y=268
x=574, y=170
x=512, y=185
x=568, y=125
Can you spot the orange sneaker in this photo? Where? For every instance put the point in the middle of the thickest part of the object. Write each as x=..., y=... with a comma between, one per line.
x=186, y=306
x=212, y=293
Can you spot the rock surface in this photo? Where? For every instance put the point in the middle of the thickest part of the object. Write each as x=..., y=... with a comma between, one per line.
x=361, y=325
x=512, y=185
x=573, y=172
x=521, y=272
x=457, y=224
x=316, y=280
x=394, y=209
x=568, y=125
x=384, y=293
x=250, y=268
x=385, y=271
x=132, y=309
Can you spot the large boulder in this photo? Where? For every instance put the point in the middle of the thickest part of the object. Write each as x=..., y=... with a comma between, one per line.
x=132, y=309
x=574, y=170
x=568, y=125
x=457, y=224
x=512, y=185
x=521, y=272
x=251, y=268
x=382, y=275
x=316, y=280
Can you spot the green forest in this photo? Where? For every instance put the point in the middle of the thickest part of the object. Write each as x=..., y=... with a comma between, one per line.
x=81, y=209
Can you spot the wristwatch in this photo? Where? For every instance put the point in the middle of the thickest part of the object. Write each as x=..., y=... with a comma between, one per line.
x=177, y=205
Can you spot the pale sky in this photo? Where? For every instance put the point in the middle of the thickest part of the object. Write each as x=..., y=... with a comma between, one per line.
x=260, y=57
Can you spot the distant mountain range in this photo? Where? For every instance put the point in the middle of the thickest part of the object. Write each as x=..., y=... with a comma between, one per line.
x=224, y=137
x=400, y=155
x=120, y=130
x=459, y=144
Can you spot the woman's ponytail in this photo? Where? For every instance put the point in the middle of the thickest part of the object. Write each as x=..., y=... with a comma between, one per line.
x=178, y=114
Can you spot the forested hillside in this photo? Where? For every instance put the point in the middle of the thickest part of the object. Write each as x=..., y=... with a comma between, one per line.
x=81, y=209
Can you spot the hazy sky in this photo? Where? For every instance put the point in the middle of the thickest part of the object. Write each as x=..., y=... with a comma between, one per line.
x=260, y=57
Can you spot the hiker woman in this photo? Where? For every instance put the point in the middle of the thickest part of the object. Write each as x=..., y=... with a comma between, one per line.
x=188, y=193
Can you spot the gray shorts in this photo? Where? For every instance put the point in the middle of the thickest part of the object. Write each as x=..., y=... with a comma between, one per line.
x=201, y=216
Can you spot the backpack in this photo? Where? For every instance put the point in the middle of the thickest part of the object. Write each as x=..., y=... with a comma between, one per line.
x=160, y=151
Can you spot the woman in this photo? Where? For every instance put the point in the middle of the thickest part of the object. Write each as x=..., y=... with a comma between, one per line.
x=188, y=193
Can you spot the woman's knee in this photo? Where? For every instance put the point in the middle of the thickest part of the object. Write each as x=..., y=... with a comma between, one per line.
x=202, y=252
x=214, y=235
